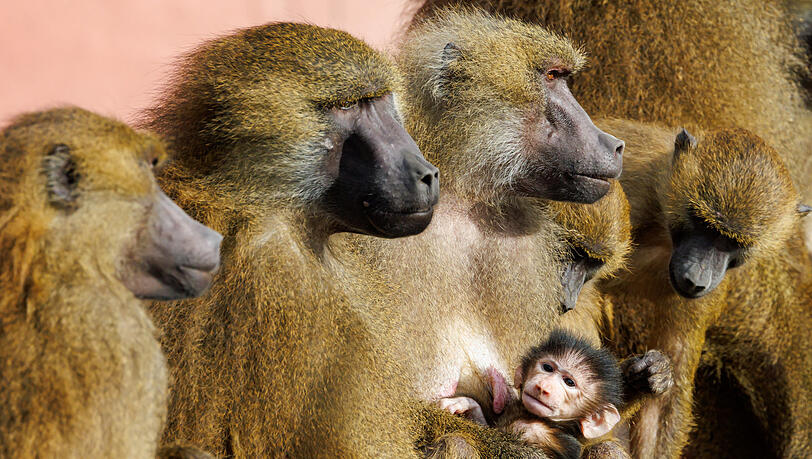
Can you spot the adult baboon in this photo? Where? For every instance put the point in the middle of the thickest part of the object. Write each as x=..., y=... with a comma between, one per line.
x=487, y=100
x=286, y=134
x=688, y=61
x=700, y=206
x=84, y=233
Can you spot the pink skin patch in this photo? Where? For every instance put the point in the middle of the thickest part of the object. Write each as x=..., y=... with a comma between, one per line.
x=501, y=391
x=449, y=389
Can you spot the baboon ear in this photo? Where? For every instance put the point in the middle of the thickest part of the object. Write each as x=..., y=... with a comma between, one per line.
x=447, y=71
x=683, y=142
x=804, y=210
x=61, y=177
x=600, y=423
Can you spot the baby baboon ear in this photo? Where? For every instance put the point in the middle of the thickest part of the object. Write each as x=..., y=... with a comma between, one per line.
x=61, y=177
x=804, y=210
x=683, y=142
x=446, y=72
x=600, y=423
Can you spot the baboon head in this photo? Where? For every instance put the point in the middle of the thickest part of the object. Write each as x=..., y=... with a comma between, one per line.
x=302, y=117
x=730, y=198
x=488, y=100
x=84, y=185
x=598, y=238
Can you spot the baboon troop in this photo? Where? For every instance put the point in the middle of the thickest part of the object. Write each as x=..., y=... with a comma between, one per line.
x=536, y=229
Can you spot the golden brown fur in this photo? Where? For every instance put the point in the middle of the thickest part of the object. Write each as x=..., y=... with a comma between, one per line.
x=713, y=63
x=762, y=341
x=601, y=231
x=736, y=184
x=480, y=285
x=276, y=360
x=82, y=370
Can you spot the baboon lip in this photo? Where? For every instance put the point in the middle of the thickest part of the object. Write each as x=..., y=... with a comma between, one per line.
x=597, y=177
x=188, y=281
x=535, y=401
x=399, y=223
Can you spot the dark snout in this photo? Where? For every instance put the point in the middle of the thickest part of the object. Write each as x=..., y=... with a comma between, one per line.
x=175, y=257
x=572, y=281
x=587, y=156
x=576, y=273
x=697, y=267
x=405, y=187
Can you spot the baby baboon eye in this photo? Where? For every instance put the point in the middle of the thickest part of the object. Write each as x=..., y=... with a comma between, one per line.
x=569, y=382
x=547, y=367
x=154, y=161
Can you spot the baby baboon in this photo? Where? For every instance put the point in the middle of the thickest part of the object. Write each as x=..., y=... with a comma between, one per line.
x=487, y=100
x=285, y=135
x=569, y=393
x=699, y=207
x=567, y=390
x=84, y=232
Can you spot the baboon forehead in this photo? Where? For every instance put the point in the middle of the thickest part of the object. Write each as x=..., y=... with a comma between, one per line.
x=107, y=153
x=329, y=67
x=488, y=55
x=736, y=183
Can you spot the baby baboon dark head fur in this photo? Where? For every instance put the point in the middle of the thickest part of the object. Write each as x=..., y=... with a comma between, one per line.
x=728, y=197
x=496, y=90
x=82, y=184
x=600, y=368
x=300, y=116
x=598, y=237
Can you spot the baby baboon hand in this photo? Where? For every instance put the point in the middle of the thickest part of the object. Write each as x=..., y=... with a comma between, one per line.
x=463, y=406
x=650, y=373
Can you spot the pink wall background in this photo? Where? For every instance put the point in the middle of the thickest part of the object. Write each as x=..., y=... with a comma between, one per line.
x=112, y=56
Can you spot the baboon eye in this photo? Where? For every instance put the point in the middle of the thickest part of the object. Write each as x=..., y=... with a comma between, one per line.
x=348, y=105
x=553, y=74
x=569, y=382
x=547, y=367
x=154, y=162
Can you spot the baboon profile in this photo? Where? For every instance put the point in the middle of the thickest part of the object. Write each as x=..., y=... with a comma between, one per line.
x=487, y=101
x=699, y=207
x=696, y=66
x=84, y=233
x=286, y=134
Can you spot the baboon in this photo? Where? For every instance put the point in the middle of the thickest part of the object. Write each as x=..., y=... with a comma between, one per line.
x=597, y=241
x=85, y=232
x=486, y=99
x=568, y=392
x=286, y=134
x=696, y=66
x=761, y=343
x=699, y=207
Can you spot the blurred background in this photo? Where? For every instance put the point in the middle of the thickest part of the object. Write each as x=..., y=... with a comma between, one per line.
x=111, y=56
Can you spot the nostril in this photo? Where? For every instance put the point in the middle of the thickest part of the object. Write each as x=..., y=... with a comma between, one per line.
x=620, y=147
x=692, y=286
x=427, y=179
